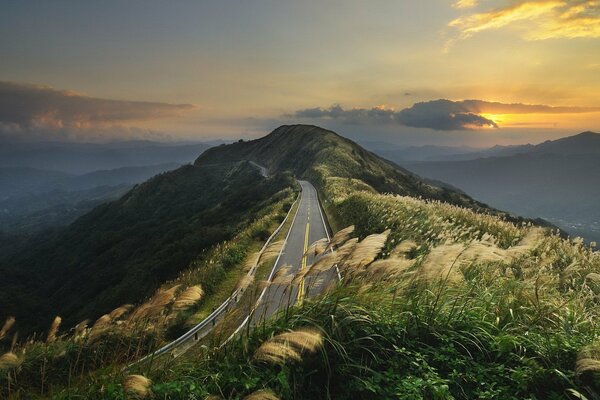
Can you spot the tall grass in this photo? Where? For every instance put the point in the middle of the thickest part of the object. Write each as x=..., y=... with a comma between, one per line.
x=96, y=351
x=436, y=302
x=446, y=303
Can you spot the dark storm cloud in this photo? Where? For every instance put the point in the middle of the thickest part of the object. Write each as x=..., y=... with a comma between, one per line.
x=26, y=107
x=442, y=115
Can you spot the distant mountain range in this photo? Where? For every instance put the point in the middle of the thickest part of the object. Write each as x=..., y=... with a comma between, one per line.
x=555, y=180
x=44, y=185
x=33, y=199
x=81, y=158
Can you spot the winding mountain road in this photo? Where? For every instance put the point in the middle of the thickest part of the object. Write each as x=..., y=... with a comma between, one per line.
x=308, y=226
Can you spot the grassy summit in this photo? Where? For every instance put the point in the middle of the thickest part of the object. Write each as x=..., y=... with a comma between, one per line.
x=316, y=153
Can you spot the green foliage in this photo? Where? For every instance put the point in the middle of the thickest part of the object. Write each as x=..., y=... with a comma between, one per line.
x=122, y=251
x=401, y=349
x=510, y=324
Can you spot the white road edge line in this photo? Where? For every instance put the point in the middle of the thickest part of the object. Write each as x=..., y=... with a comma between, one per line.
x=247, y=319
x=337, y=270
x=225, y=303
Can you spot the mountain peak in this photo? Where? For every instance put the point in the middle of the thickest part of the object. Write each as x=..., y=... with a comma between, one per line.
x=317, y=154
x=588, y=134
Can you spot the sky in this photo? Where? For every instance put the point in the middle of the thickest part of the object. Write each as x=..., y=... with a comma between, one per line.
x=448, y=72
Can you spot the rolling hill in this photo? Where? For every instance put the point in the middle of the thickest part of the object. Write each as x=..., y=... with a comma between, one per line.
x=315, y=153
x=123, y=250
x=555, y=180
x=439, y=297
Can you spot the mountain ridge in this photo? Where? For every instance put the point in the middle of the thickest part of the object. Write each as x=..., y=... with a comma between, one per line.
x=307, y=150
x=552, y=180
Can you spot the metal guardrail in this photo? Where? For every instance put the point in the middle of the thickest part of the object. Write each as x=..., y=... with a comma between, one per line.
x=269, y=278
x=232, y=299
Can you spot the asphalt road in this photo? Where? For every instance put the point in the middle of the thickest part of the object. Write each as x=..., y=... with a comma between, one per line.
x=308, y=226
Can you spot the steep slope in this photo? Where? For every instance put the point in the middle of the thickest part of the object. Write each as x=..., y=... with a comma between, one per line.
x=317, y=154
x=121, y=251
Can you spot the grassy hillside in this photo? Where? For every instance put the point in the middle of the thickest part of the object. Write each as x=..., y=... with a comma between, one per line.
x=122, y=251
x=315, y=153
x=552, y=180
x=437, y=301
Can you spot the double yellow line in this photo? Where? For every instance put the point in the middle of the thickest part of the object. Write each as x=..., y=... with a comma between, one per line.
x=301, y=288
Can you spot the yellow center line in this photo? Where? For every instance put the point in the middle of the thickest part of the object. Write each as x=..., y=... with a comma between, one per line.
x=303, y=264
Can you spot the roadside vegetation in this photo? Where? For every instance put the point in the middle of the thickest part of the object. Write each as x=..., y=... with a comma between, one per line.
x=123, y=251
x=436, y=302
x=440, y=298
x=64, y=356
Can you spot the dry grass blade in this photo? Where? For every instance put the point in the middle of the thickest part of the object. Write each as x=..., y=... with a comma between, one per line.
x=346, y=249
x=367, y=250
x=593, y=276
x=588, y=359
x=272, y=250
x=317, y=247
x=10, y=321
x=245, y=282
x=81, y=327
x=100, y=326
x=404, y=248
x=587, y=365
x=120, y=311
x=305, y=339
x=300, y=275
x=289, y=346
x=251, y=261
x=276, y=353
x=53, y=329
x=188, y=297
x=387, y=269
x=341, y=237
x=261, y=395
x=155, y=306
x=164, y=297
x=281, y=273
x=141, y=312
x=137, y=385
x=323, y=264
x=9, y=360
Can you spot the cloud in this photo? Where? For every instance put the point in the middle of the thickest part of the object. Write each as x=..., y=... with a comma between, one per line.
x=463, y=4
x=27, y=108
x=378, y=114
x=537, y=20
x=442, y=115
